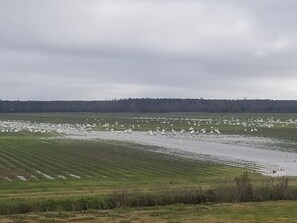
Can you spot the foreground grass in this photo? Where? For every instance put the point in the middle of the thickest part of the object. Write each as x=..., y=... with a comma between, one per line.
x=242, y=190
x=276, y=211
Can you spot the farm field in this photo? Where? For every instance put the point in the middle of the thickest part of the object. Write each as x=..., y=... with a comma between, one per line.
x=48, y=167
x=282, y=126
x=48, y=158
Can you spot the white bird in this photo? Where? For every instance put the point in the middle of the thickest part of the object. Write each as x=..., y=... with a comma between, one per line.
x=174, y=132
x=217, y=131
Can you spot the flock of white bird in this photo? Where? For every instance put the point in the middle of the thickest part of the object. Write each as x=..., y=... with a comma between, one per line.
x=36, y=127
x=161, y=125
x=195, y=126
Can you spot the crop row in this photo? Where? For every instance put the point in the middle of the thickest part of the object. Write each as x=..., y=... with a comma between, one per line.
x=30, y=158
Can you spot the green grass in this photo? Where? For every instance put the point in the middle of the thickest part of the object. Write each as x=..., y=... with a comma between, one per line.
x=277, y=211
x=102, y=166
x=242, y=190
x=106, y=159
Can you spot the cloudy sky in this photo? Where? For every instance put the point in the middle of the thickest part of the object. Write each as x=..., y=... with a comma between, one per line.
x=105, y=49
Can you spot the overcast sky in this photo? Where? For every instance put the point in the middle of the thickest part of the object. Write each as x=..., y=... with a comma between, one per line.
x=105, y=49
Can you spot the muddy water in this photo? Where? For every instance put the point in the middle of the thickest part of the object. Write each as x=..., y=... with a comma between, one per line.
x=264, y=155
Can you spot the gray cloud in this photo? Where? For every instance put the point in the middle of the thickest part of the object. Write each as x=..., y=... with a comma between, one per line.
x=101, y=49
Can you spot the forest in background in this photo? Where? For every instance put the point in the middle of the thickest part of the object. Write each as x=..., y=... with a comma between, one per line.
x=149, y=105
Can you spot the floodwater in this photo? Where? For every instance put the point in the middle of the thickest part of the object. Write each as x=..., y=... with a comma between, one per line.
x=264, y=155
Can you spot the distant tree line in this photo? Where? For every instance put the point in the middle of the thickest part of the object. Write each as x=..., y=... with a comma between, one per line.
x=148, y=105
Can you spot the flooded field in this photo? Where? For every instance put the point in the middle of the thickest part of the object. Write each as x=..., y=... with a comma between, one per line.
x=262, y=144
x=79, y=161
x=265, y=155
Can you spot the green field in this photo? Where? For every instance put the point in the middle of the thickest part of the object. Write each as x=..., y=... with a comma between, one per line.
x=40, y=168
x=95, y=166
